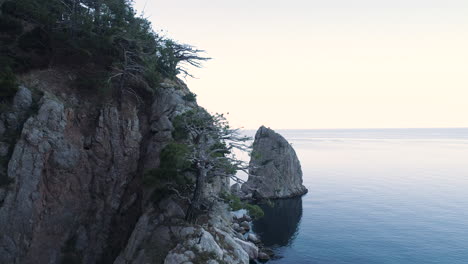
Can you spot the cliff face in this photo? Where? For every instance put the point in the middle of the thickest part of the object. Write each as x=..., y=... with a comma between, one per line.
x=76, y=193
x=275, y=169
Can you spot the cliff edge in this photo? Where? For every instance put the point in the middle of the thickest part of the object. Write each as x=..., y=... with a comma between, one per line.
x=72, y=184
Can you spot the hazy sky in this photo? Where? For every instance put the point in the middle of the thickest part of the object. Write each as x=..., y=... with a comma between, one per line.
x=326, y=64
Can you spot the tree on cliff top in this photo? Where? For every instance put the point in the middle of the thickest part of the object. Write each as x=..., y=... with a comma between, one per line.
x=211, y=142
x=104, y=35
x=202, y=150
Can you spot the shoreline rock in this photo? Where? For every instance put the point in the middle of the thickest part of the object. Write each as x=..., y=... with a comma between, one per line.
x=275, y=170
x=75, y=192
x=242, y=223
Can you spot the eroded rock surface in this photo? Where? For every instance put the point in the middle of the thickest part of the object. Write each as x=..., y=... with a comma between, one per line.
x=275, y=169
x=63, y=191
x=76, y=193
x=213, y=243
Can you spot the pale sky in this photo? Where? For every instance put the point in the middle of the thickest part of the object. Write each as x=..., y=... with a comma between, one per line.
x=326, y=63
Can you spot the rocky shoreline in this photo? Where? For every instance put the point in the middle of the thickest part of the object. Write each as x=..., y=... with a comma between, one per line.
x=242, y=224
x=225, y=238
x=75, y=192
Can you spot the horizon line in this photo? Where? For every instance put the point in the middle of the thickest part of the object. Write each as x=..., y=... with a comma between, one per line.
x=357, y=128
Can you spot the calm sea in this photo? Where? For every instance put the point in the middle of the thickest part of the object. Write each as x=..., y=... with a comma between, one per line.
x=375, y=196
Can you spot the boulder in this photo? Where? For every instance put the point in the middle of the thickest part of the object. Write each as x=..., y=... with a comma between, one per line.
x=275, y=169
x=249, y=247
x=235, y=226
x=19, y=108
x=23, y=99
x=263, y=257
x=245, y=225
x=246, y=217
x=253, y=238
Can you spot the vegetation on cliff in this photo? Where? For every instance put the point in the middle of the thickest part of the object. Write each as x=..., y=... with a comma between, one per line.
x=76, y=171
x=202, y=150
x=103, y=39
x=106, y=45
x=109, y=47
x=235, y=204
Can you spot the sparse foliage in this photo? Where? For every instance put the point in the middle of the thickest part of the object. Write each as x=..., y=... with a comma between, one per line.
x=235, y=204
x=190, y=97
x=104, y=34
x=211, y=142
x=171, y=176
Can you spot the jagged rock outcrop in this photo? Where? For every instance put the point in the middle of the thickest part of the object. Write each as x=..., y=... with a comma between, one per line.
x=213, y=243
x=67, y=186
x=11, y=120
x=76, y=193
x=275, y=170
x=163, y=231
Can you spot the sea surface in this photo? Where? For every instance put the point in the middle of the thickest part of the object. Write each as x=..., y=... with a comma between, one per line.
x=375, y=196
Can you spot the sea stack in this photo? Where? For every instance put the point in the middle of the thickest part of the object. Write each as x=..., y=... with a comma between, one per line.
x=275, y=171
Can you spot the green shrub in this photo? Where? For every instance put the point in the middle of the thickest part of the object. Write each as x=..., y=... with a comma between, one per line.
x=195, y=118
x=190, y=97
x=254, y=210
x=93, y=81
x=34, y=40
x=255, y=155
x=106, y=34
x=8, y=83
x=235, y=204
x=203, y=257
x=10, y=25
x=172, y=170
x=151, y=74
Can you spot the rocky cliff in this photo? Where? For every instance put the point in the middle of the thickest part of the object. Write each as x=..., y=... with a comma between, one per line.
x=72, y=187
x=275, y=170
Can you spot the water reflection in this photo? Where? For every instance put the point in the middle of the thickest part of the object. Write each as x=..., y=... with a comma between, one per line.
x=279, y=226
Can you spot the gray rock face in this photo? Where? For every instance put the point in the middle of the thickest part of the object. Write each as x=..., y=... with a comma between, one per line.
x=3, y=149
x=236, y=189
x=62, y=190
x=215, y=244
x=11, y=121
x=71, y=168
x=249, y=247
x=21, y=103
x=76, y=192
x=167, y=104
x=157, y=240
x=253, y=238
x=275, y=169
x=22, y=100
